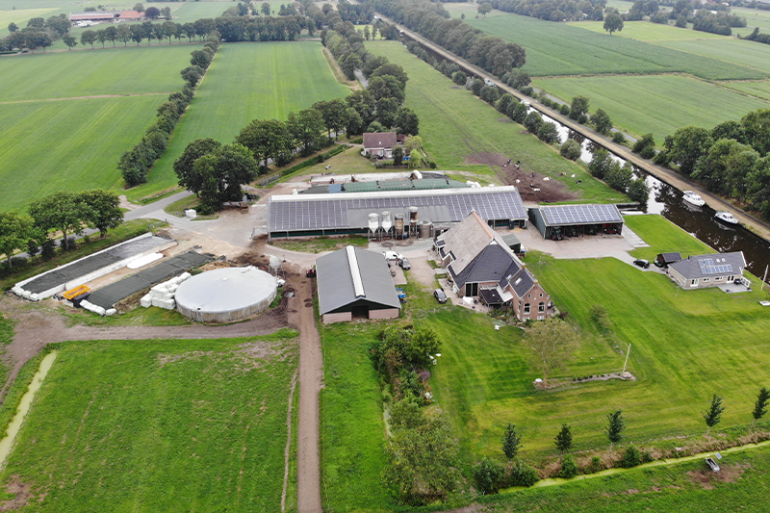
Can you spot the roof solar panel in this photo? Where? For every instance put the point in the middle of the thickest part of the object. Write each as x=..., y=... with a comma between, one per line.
x=581, y=214
x=707, y=266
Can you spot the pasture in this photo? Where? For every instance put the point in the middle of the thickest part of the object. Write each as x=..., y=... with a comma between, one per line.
x=558, y=49
x=747, y=53
x=161, y=425
x=649, y=32
x=118, y=71
x=456, y=126
x=759, y=89
x=686, y=346
x=246, y=81
x=655, y=104
x=71, y=145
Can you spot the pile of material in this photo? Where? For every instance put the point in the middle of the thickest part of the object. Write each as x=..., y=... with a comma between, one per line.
x=162, y=295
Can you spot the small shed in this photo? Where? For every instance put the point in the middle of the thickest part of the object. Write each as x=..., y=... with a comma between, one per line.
x=512, y=241
x=666, y=259
x=355, y=283
x=559, y=221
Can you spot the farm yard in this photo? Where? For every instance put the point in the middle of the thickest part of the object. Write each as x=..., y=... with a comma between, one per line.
x=162, y=425
x=628, y=101
x=263, y=87
x=463, y=133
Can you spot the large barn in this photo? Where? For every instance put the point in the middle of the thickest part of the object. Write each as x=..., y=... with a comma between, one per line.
x=355, y=283
x=557, y=221
x=302, y=215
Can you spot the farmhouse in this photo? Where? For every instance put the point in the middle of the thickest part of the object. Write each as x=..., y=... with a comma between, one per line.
x=131, y=16
x=355, y=283
x=697, y=272
x=380, y=144
x=554, y=222
x=302, y=215
x=481, y=264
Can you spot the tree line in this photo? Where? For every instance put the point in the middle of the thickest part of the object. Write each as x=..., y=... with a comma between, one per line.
x=135, y=163
x=756, y=36
x=39, y=33
x=62, y=213
x=553, y=10
x=148, y=30
x=432, y=21
x=732, y=159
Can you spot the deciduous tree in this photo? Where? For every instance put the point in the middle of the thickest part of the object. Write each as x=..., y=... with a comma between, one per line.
x=552, y=343
x=184, y=166
x=104, y=210
x=613, y=23
x=15, y=232
x=62, y=211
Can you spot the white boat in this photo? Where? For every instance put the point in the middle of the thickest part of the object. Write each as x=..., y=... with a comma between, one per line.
x=726, y=217
x=693, y=198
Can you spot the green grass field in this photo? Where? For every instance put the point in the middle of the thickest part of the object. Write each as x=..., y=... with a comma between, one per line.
x=161, y=425
x=747, y=53
x=352, y=432
x=456, y=125
x=71, y=145
x=649, y=32
x=644, y=104
x=758, y=89
x=246, y=81
x=558, y=49
x=116, y=71
x=687, y=345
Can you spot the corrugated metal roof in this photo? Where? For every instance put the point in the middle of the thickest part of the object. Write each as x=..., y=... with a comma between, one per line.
x=336, y=289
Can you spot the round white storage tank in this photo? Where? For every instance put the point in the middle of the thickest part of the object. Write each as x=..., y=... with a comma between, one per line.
x=226, y=295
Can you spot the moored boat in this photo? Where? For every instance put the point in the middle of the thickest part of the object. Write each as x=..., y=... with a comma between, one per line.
x=693, y=198
x=726, y=217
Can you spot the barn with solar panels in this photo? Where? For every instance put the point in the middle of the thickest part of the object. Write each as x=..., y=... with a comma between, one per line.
x=390, y=213
x=697, y=272
x=559, y=221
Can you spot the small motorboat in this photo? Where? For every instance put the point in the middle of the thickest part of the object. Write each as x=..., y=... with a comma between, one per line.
x=693, y=198
x=726, y=217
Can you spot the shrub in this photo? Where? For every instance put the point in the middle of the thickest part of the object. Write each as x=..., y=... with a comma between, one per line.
x=583, y=119
x=599, y=315
x=488, y=474
x=569, y=468
x=647, y=152
x=595, y=465
x=564, y=109
x=618, y=138
x=631, y=458
x=48, y=249
x=647, y=457
x=521, y=474
x=571, y=149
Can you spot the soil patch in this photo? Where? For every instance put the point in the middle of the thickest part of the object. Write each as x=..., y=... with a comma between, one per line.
x=22, y=491
x=456, y=87
x=532, y=186
x=706, y=478
x=504, y=120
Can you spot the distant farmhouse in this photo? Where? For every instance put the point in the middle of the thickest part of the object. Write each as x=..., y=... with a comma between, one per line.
x=697, y=272
x=482, y=265
x=91, y=18
x=380, y=144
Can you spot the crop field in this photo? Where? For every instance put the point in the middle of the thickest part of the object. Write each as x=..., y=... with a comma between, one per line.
x=746, y=53
x=686, y=346
x=759, y=89
x=161, y=425
x=72, y=145
x=118, y=71
x=558, y=49
x=649, y=32
x=644, y=104
x=455, y=125
x=754, y=17
x=247, y=81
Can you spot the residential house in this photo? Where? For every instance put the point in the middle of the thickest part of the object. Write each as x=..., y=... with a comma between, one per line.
x=380, y=144
x=697, y=272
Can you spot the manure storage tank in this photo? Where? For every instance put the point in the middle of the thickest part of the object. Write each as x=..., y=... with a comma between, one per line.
x=226, y=295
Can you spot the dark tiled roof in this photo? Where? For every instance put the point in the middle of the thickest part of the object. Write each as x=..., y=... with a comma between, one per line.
x=708, y=266
x=491, y=264
x=380, y=140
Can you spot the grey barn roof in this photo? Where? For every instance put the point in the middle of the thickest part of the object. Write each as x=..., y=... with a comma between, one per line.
x=561, y=215
x=354, y=275
x=707, y=266
x=295, y=213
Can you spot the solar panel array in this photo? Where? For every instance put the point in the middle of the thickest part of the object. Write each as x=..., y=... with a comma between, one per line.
x=331, y=212
x=581, y=214
x=707, y=266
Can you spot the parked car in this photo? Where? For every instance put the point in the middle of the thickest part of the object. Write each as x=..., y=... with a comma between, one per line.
x=392, y=255
x=644, y=264
x=404, y=263
x=440, y=296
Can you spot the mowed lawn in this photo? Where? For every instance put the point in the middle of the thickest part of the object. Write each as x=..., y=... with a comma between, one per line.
x=72, y=145
x=117, y=71
x=656, y=104
x=687, y=345
x=455, y=125
x=247, y=81
x=559, y=49
x=161, y=425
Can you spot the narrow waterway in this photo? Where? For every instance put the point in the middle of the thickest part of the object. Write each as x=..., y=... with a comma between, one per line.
x=6, y=444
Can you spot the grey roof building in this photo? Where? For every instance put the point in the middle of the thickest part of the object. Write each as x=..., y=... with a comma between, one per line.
x=551, y=221
x=697, y=272
x=354, y=282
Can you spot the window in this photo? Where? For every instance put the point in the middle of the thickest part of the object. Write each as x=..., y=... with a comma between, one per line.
x=694, y=283
x=526, y=308
x=540, y=317
x=730, y=278
x=706, y=280
x=541, y=294
x=541, y=307
x=719, y=278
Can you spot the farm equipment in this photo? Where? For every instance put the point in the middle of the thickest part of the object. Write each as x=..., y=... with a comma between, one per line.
x=310, y=272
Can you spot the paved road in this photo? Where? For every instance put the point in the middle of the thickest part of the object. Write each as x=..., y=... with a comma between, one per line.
x=757, y=226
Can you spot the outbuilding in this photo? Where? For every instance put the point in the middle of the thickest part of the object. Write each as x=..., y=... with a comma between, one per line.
x=355, y=283
x=558, y=221
x=666, y=259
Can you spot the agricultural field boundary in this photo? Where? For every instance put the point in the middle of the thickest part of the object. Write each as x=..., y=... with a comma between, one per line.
x=85, y=97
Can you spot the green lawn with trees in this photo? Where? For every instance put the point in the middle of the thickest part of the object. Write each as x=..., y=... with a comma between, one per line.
x=264, y=87
x=655, y=104
x=556, y=49
x=687, y=345
x=456, y=125
x=161, y=425
x=78, y=150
